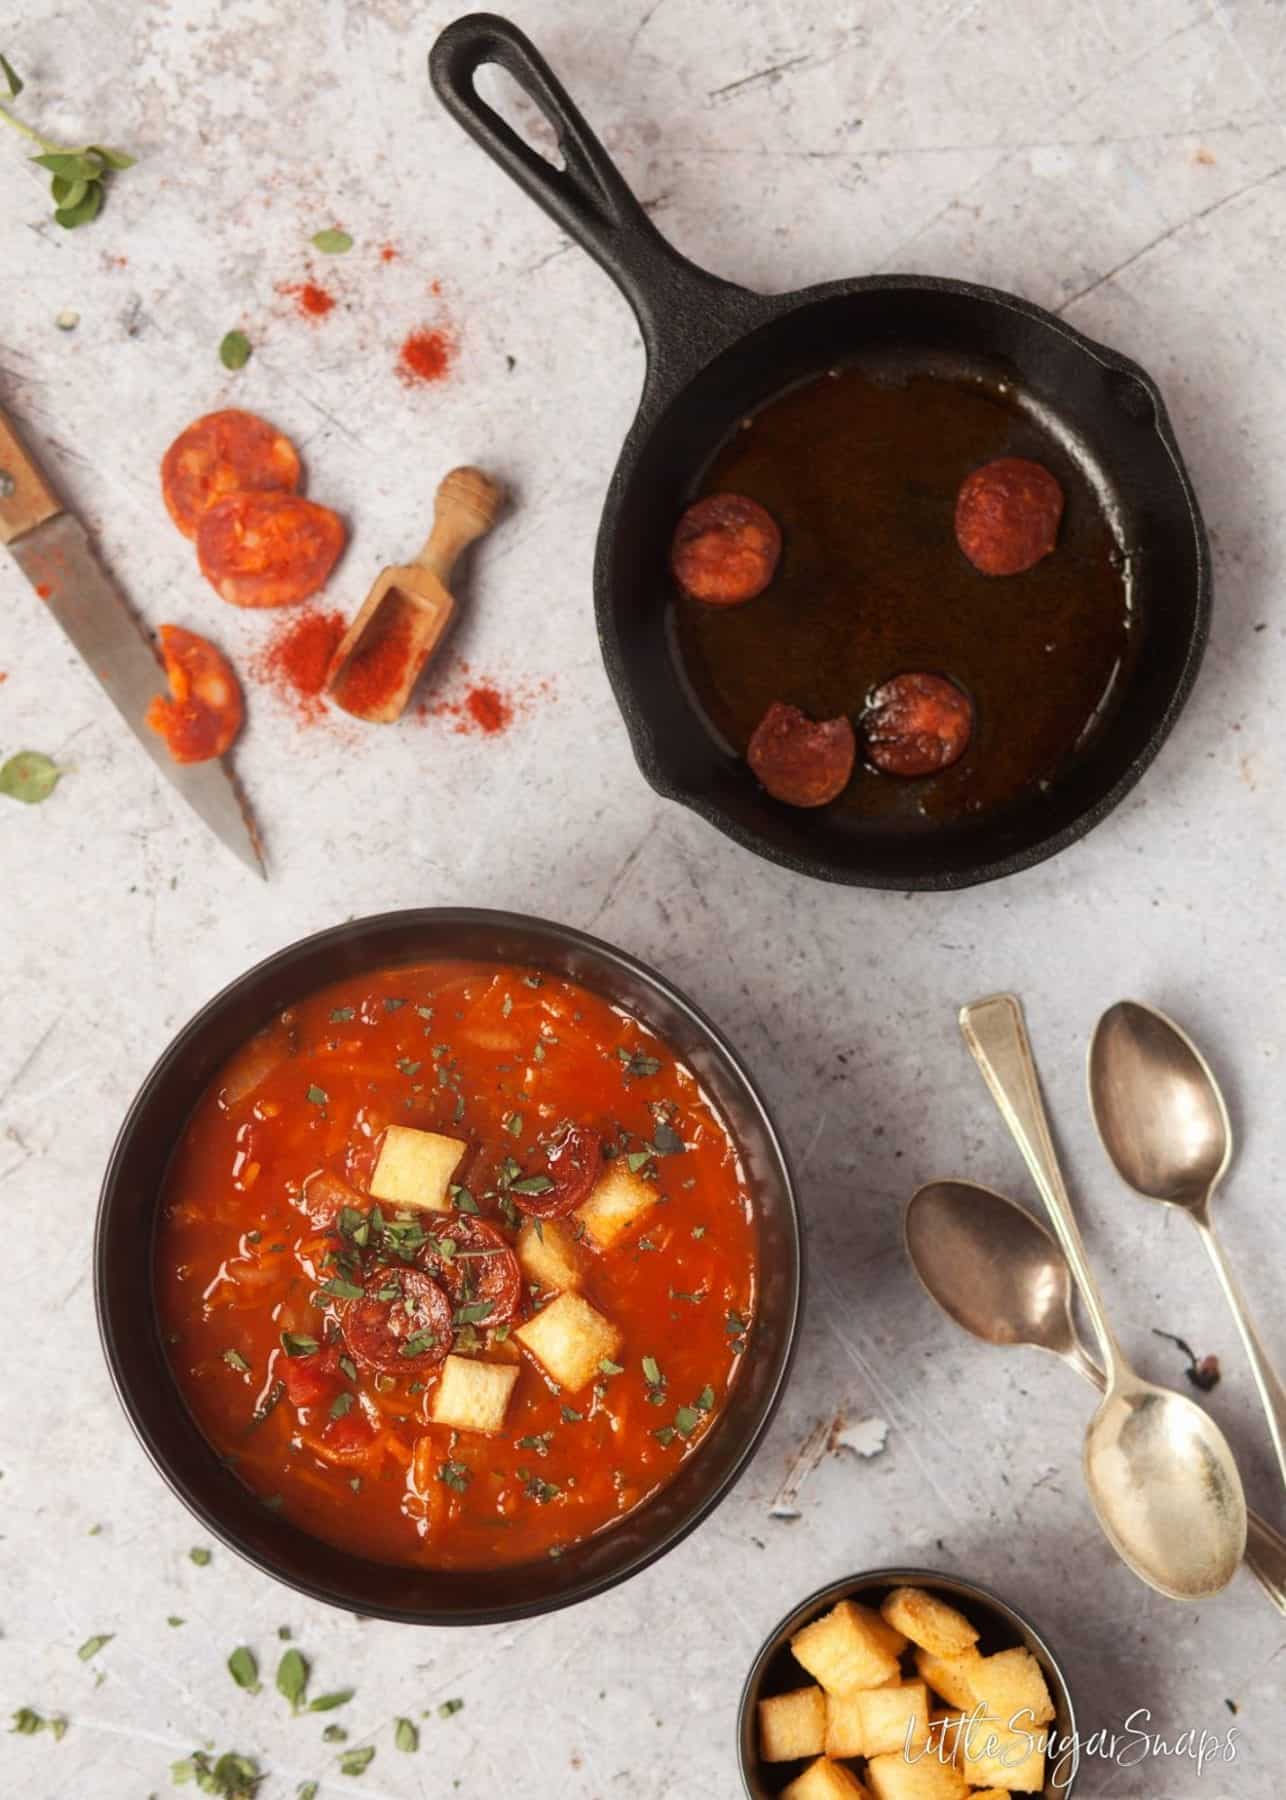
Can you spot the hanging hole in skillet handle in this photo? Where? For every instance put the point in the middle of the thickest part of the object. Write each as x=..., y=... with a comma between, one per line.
x=585, y=193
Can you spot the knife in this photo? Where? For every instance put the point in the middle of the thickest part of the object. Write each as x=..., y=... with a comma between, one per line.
x=53, y=551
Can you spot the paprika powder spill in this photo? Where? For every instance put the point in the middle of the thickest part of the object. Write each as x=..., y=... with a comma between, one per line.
x=297, y=658
x=312, y=301
x=425, y=356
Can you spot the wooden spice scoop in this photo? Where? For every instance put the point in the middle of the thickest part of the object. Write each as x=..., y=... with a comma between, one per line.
x=408, y=610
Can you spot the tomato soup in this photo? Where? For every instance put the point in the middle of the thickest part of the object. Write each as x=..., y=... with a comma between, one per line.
x=456, y=1264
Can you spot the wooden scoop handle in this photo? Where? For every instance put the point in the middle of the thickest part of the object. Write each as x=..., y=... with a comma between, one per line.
x=465, y=507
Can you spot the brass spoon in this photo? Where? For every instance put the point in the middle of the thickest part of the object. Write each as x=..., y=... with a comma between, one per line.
x=1160, y=1475
x=999, y=1274
x=1164, y=1124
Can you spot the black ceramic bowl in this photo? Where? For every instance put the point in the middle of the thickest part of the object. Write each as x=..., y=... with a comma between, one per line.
x=127, y=1219
x=1000, y=1627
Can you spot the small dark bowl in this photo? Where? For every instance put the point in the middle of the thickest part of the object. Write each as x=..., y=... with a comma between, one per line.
x=1000, y=1627
x=125, y=1237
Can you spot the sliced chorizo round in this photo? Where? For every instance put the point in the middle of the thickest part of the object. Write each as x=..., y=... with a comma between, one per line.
x=725, y=549
x=1007, y=515
x=471, y=1260
x=573, y=1163
x=203, y=712
x=917, y=725
x=801, y=761
x=268, y=549
x=229, y=452
x=402, y=1324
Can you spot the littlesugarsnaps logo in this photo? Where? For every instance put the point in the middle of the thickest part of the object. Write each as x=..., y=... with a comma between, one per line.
x=1020, y=1753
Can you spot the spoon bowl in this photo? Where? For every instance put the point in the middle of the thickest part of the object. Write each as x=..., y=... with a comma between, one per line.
x=1158, y=1107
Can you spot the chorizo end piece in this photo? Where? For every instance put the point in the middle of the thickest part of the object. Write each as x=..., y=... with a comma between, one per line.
x=203, y=712
x=799, y=760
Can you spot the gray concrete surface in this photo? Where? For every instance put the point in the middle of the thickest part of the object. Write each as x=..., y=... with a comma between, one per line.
x=1124, y=165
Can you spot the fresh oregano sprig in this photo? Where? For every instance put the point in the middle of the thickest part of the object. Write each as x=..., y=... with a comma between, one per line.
x=77, y=177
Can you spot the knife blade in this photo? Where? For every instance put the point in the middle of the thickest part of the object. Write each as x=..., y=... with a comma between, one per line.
x=54, y=552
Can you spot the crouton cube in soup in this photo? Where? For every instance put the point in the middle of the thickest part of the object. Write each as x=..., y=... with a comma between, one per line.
x=457, y=1264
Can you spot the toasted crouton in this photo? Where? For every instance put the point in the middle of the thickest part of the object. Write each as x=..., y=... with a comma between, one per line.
x=825, y=1780
x=849, y=1647
x=619, y=1197
x=1011, y=1760
x=549, y=1254
x=929, y=1621
x=892, y=1777
x=570, y=1339
x=792, y=1725
x=843, y=1724
x=1010, y=1683
x=415, y=1168
x=892, y=1717
x=473, y=1395
x=950, y=1676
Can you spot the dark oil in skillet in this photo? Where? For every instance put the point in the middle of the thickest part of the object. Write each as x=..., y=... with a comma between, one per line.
x=861, y=470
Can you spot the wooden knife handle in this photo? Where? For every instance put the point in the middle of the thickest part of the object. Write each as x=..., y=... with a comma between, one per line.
x=26, y=498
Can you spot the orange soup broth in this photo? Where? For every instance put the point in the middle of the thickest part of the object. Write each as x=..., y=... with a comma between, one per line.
x=500, y=1056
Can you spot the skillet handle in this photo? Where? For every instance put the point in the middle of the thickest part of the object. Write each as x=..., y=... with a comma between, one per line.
x=672, y=298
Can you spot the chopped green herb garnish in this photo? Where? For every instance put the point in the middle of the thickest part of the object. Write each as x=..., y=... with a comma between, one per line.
x=665, y=1434
x=318, y=1096
x=705, y=1399
x=235, y=1360
x=645, y=1243
x=408, y=1067
x=638, y=1064
x=243, y=1669
x=175, y=1620
x=475, y=1312
x=607, y=1367
x=542, y=1491
x=448, y=1707
x=698, y=1231
x=686, y=1420
x=93, y=1645
x=425, y=1012
x=339, y=1289
x=666, y=1140
x=328, y=1702
x=234, y=350
x=405, y=1736
x=532, y=1184
x=539, y=1443
x=463, y=1200
x=292, y=1678
x=334, y=1734
x=341, y=1404
x=341, y=1015
x=392, y=1005
x=571, y=1416
x=500, y=1333
x=232, y=1777
x=454, y=1475
x=348, y=1367
x=332, y=242
x=307, y=1790
x=651, y=1371
x=200, y=1556
x=637, y=1159
x=418, y=1343
x=27, y=1722
x=30, y=776
x=513, y=1124
x=353, y=1762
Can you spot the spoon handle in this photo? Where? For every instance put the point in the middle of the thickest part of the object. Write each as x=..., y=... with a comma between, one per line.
x=1265, y=1545
x=997, y=1039
x=1267, y=1380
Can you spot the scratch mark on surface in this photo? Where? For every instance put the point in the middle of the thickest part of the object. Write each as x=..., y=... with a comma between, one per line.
x=1165, y=236
x=30, y=1057
x=745, y=81
x=785, y=1502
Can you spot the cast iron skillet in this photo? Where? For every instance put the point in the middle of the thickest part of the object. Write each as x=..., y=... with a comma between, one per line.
x=716, y=352
x=126, y=1229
